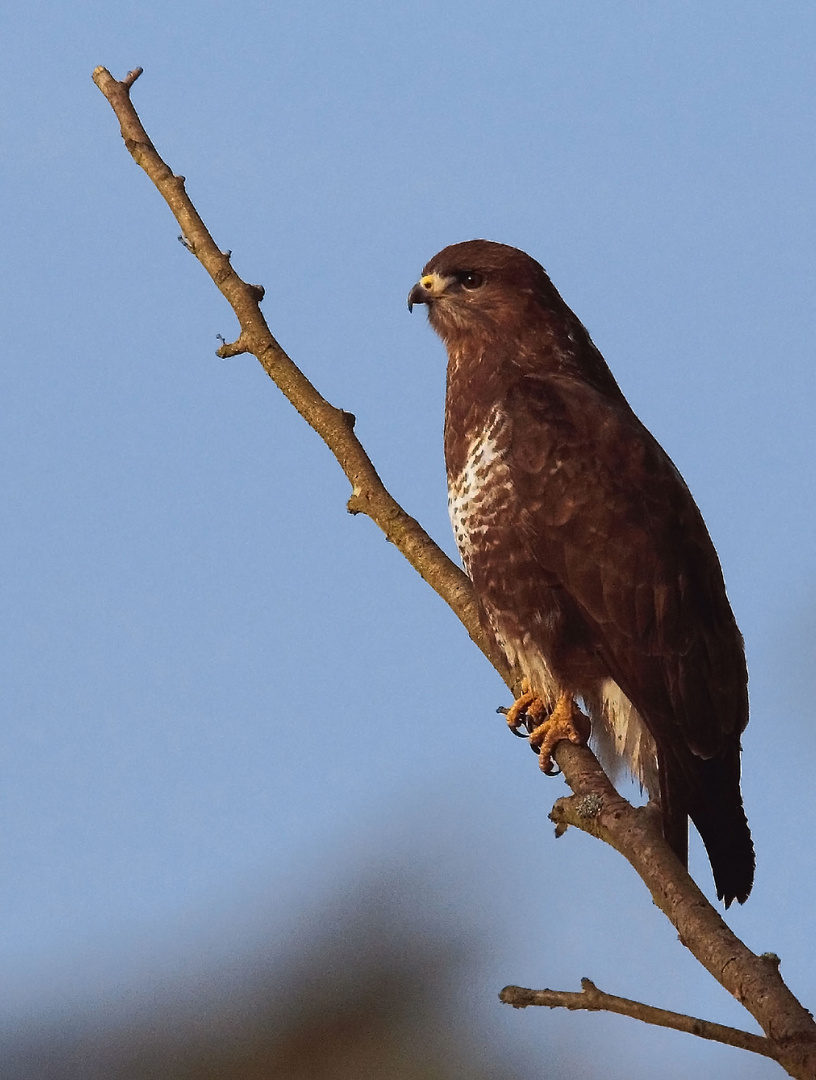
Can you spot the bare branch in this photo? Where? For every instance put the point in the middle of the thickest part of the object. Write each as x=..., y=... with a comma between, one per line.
x=595, y=806
x=595, y=1000
x=369, y=495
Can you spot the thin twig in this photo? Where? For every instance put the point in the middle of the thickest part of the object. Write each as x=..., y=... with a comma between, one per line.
x=595, y=1000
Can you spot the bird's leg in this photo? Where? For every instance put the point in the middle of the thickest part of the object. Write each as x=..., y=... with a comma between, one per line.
x=527, y=710
x=566, y=721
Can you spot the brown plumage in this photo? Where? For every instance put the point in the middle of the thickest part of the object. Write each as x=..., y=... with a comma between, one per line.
x=591, y=561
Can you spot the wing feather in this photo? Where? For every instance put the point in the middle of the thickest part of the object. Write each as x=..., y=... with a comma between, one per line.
x=608, y=515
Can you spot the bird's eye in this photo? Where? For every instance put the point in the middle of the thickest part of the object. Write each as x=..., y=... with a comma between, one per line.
x=471, y=280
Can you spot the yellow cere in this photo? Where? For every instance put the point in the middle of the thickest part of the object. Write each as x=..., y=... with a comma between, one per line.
x=435, y=284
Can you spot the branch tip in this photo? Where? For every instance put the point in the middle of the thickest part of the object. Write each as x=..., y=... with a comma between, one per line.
x=131, y=77
x=356, y=503
x=232, y=348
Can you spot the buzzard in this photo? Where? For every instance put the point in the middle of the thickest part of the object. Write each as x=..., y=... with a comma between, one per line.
x=591, y=561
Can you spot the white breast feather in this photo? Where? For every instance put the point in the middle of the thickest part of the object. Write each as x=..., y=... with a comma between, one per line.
x=480, y=493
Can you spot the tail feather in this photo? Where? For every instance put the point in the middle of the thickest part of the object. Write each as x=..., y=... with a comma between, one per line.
x=674, y=812
x=721, y=822
x=711, y=797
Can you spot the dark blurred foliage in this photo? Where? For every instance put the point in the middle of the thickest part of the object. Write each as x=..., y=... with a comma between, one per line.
x=375, y=996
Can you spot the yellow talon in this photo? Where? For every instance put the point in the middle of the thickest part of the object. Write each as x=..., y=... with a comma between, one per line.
x=566, y=721
x=525, y=708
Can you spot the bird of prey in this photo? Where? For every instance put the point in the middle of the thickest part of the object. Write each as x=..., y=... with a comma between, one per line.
x=592, y=564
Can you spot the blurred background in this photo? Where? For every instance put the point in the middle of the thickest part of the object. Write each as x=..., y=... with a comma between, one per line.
x=258, y=815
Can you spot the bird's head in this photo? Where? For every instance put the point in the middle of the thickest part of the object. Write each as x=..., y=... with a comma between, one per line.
x=479, y=286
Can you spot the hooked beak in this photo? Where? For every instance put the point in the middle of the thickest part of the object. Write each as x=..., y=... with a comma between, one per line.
x=417, y=295
x=427, y=289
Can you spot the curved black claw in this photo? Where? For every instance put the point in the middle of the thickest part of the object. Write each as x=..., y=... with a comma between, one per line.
x=515, y=728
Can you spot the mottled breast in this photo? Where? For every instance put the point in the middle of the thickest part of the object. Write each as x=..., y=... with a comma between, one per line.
x=480, y=493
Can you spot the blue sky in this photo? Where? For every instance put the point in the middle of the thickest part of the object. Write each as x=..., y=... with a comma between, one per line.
x=223, y=697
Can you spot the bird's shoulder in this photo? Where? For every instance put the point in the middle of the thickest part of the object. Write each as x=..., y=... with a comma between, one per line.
x=604, y=505
x=564, y=430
